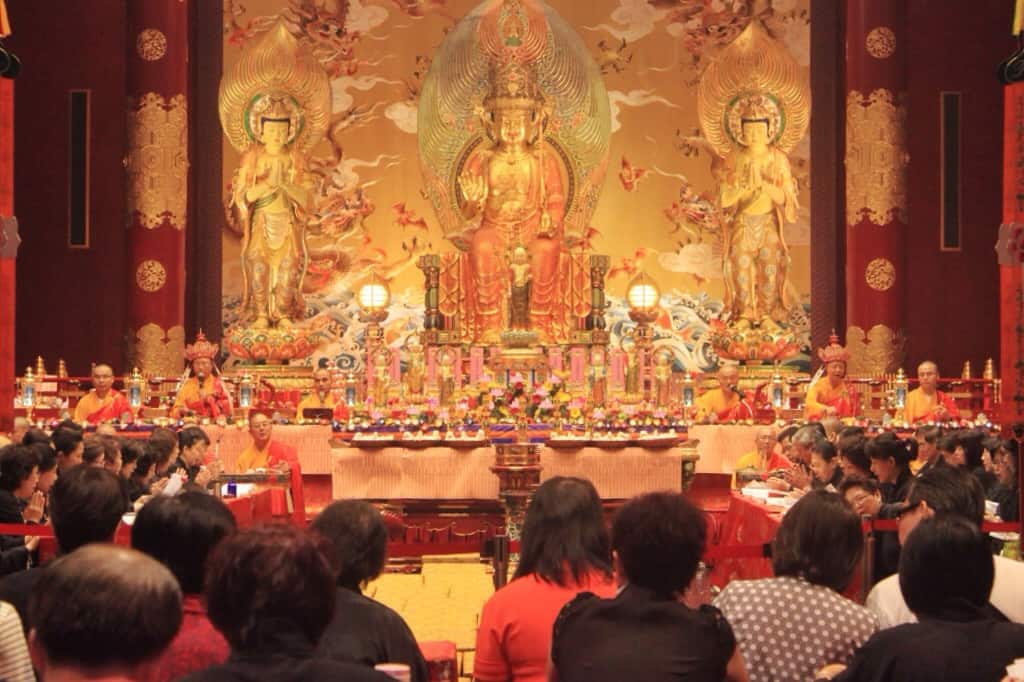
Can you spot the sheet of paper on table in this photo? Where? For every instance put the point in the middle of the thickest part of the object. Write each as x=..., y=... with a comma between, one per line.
x=241, y=489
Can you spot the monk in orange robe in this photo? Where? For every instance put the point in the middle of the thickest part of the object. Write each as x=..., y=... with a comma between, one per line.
x=829, y=396
x=926, y=403
x=202, y=394
x=323, y=397
x=722, y=403
x=102, y=403
x=266, y=453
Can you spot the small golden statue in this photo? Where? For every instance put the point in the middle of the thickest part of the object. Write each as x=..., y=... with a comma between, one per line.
x=598, y=376
x=414, y=369
x=633, y=375
x=381, y=377
x=753, y=104
x=662, y=377
x=519, y=300
x=446, y=376
x=274, y=107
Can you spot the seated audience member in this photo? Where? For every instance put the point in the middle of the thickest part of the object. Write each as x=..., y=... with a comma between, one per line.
x=266, y=453
x=102, y=613
x=192, y=446
x=47, y=477
x=163, y=446
x=948, y=447
x=946, y=490
x=180, y=532
x=971, y=442
x=791, y=625
x=825, y=466
x=86, y=505
x=798, y=476
x=94, y=452
x=854, y=462
x=565, y=550
x=111, y=453
x=15, y=663
x=890, y=463
x=785, y=439
x=131, y=450
x=33, y=436
x=927, y=449
x=866, y=499
x=646, y=632
x=1006, y=490
x=19, y=471
x=270, y=591
x=946, y=575
x=762, y=460
x=926, y=403
x=363, y=630
x=69, y=445
x=141, y=476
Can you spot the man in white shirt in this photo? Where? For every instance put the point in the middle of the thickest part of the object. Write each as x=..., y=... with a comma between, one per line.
x=947, y=490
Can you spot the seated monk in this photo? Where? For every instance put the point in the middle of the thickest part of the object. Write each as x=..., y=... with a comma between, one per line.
x=322, y=397
x=202, y=394
x=927, y=404
x=829, y=396
x=266, y=453
x=722, y=403
x=102, y=403
x=763, y=460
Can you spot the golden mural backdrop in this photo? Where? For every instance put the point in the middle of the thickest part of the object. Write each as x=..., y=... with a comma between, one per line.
x=157, y=161
x=657, y=211
x=876, y=158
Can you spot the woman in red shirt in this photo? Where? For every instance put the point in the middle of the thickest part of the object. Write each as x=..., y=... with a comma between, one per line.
x=565, y=550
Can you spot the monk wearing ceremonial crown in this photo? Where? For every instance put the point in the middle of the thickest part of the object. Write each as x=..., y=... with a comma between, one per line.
x=513, y=196
x=203, y=394
x=829, y=396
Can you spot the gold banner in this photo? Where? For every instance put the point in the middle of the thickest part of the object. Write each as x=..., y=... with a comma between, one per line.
x=156, y=353
x=157, y=161
x=876, y=158
x=879, y=351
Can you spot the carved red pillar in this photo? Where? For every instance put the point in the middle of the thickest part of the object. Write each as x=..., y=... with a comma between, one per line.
x=8, y=252
x=876, y=183
x=1011, y=259
x=157, y=182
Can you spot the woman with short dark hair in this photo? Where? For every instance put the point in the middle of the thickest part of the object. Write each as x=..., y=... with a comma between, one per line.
x=270, y=592
x=363, y=630
x=646, y=632
x=565, y=550
x=825, y=466
x=19, y=473
x=1006, y=492
x=946, y=576
x=890, y=463
x=791, y=625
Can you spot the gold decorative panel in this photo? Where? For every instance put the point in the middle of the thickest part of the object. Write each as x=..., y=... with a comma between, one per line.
x=878, y=351
x=151, y=44
x=150, y=276
x=157, y=161
x=157, y=353
x=880, y=42
x=876, y=158
x=880, y=274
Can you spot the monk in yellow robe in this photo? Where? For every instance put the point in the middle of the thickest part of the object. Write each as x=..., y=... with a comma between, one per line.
x=266, y=453
x=102, y=403
x=926, y=403
x=764, y=458
x=722, y=403
x=202, y=394
x=829, y=396
x=322, y=397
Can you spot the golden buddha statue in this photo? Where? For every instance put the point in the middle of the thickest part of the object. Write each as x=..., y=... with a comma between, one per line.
x=412, y=380
x=270, y=199
x=512, y=195
x=754, y=106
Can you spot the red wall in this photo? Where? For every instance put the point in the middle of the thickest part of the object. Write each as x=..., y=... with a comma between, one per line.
x=70, y=302
x=953, y=306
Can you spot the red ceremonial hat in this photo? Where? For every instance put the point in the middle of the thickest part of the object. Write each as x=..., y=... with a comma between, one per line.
x=201, y=348
x=833, y=352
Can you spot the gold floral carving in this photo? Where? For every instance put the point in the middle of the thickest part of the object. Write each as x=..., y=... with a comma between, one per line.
x=880, y=42
x=151, y=44
x=157, y=161
x=150, y=276
x=880, y=274
x=157, y=353
x=876, y=158
x=877, y=352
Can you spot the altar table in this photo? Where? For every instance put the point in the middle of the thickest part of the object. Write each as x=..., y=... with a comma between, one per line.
x=464, y=473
